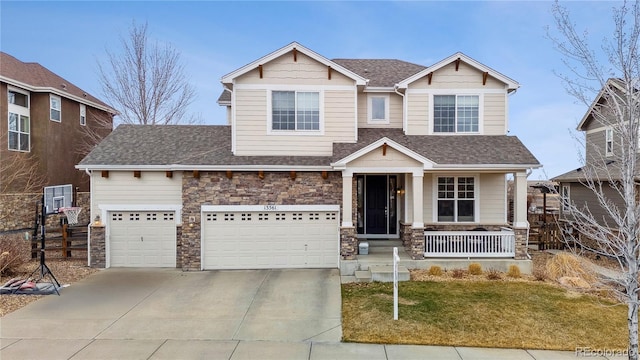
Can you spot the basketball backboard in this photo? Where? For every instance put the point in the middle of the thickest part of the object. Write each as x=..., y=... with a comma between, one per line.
x=56, y=197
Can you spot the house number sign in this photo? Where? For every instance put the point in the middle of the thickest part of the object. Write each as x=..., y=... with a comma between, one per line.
x=270, y=208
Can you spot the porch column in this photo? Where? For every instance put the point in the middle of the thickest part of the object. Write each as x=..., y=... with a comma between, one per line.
x=347, y=199
x=520, y=200
x=418, y=179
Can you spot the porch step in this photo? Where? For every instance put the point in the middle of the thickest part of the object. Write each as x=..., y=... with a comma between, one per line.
x=363, y=276
x=384, y=246
x=384, y=273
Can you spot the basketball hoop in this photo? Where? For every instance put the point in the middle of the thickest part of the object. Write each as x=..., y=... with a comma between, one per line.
x=71, y=213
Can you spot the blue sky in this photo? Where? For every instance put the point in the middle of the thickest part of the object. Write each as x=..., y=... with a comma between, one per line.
x=216, y=38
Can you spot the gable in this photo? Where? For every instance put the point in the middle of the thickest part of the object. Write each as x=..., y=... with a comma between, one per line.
x=288, y=69
x=461, y=76
x=384, y=158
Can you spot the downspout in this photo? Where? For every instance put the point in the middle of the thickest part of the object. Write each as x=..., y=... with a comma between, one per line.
x=90, y=221
x=404, y=110
x=233, y=119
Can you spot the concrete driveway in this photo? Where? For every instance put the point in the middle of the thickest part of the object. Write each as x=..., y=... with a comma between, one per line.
x=160, y=304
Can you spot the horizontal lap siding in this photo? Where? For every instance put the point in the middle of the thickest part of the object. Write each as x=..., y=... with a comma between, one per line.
x=494, y=114
x=251, y=126
x=492, y=199
x=418, y=114
x=395, y=112
x=391, y=159
x=122, y=188
x=467, y=77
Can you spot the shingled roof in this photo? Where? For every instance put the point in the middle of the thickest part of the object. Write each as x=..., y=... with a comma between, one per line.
x=39, y=78
x=381, y=72
x=210, y=145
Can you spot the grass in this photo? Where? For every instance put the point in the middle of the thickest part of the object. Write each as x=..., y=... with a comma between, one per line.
x=481, y=313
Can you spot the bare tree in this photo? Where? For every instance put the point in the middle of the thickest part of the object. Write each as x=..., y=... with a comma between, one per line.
x=99, y=125
x=19, y=172
x=612, y=176
x=146, y=81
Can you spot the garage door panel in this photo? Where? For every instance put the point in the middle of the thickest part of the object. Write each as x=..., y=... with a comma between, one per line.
x=294, y=239
x=142, y=239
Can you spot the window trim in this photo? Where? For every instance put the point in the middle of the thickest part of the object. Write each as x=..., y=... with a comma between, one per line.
x=565, y=197
x=608, y=140
x=83, y=114
x=19, y=111
x=51, y=108
x=476, y=198
x=456, y=94
x=370, y=119
x=271, y=131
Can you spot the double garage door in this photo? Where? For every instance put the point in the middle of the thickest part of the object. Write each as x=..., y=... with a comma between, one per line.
x=265, y=237
x=142, y=239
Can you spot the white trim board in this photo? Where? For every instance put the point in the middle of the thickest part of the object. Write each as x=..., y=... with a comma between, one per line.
x=268, y=208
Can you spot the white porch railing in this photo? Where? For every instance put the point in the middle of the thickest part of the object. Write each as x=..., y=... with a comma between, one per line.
x=470, y=244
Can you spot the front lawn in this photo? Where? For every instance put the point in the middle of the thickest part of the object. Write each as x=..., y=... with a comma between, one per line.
x=482, y=313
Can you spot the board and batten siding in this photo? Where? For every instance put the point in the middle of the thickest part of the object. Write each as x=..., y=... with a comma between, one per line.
x=490, y=194
x=252, y=119
x=122, y=188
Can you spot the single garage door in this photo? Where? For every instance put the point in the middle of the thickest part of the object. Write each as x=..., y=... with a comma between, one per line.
x=142, y=239
x=286, y=237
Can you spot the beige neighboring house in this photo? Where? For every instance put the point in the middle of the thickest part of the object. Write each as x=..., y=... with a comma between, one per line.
x=318, y=156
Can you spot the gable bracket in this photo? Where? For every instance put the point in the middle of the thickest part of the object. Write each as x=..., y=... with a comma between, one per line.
x=484, y=77
x=457, y=64
x=260, y=70
x=384, y=149
x=429, y=76
x=329, y=72
x=295, y=55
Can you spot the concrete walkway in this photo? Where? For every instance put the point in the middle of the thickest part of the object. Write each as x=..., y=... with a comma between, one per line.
x=169, y=314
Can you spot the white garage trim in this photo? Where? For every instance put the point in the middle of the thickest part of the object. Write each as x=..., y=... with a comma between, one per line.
x=105, y=209
x=240, y=236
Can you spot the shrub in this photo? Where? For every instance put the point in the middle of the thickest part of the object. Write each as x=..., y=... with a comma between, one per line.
x=514, y=272
x=457, y=273
x=568, y=265
x=475, y=269
x=493, y=274
x=435, y=271
x=539, y=275
x=14, y=252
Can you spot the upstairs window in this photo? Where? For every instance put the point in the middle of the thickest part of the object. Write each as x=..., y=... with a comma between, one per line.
x=83, y=114
x=19, y=131
x=295, y=110
x=378, y=106
x=56, y=108
x=456, y=199
x=456, y=113
x=608, y=142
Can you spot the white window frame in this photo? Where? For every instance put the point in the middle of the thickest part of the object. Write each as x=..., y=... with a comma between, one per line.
x=83, y=114
x=566, y=198
x=19, y=111
x=608, y=141
x=476, y=198
x=370, y=118
x=455, y=125
x=271, y=131
x=52, y=108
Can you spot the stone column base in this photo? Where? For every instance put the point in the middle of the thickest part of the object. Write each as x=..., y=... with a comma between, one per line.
x=348, y=243
x=405, y=236
x=417, y=243
x=521, y=243
x=98, y=249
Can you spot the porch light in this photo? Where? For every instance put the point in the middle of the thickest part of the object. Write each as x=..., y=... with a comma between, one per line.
x=97, y=221
x=400, y=191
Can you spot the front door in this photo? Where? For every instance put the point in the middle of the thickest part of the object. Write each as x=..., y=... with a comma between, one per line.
x=377, y=205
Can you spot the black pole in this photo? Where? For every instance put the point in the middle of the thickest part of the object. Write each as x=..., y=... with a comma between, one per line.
x=43, y=219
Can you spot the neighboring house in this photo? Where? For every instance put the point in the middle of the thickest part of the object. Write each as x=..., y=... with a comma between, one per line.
x=602, y=158
x=318, y=155
x=44, y=119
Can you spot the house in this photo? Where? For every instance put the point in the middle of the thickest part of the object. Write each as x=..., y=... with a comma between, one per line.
x=44, y=122
x=318, y=156
x=603, y=156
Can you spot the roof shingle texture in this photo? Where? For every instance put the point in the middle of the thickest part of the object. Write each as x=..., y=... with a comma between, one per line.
x=210, y=145
x=381, y=72
x=37, y=75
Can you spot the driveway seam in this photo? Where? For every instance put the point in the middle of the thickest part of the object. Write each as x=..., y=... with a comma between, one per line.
x=158, y=348
x=250, y=305
x=84, y=347
x=322, y=332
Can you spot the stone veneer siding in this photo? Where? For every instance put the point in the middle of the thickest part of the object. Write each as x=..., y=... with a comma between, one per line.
x=17, y=211
x=246, y=188
x=98, y=248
